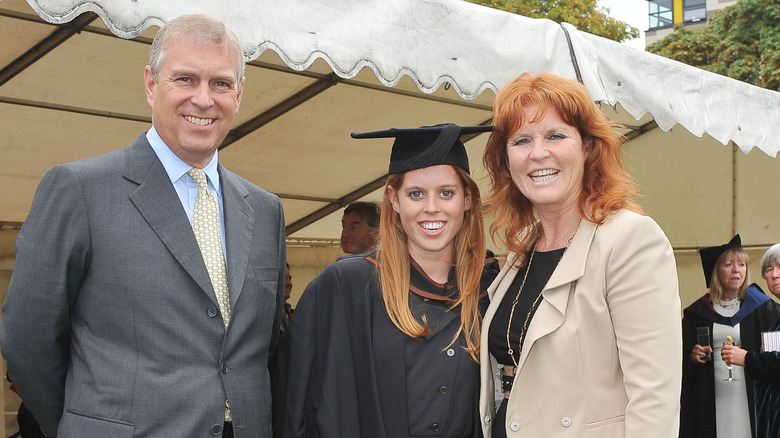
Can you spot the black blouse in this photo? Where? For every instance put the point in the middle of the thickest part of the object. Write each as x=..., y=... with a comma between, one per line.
x=542, y=267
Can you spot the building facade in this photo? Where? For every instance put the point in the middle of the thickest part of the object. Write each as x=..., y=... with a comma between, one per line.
x=664, y=14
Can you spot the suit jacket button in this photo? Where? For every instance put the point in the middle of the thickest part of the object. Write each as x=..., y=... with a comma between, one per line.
x=566, y=421
x=224, y=368
x=443, y=390
x=435, y=426
x=216, y=429
x=450, y=352
x=212, y=312
x=515, y=426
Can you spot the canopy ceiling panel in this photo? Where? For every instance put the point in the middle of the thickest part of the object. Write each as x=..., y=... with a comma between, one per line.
x=25, y=34
x=28, y=150
x=76, y=75
x=756, y=205
x=322, y=143
x=685, y=184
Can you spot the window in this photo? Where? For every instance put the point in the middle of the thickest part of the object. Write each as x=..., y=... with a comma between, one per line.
x=661, y=14
x=694, y=10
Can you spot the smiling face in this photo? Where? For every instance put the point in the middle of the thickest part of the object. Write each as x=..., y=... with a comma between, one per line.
x=547, y=160
x=431, y=203
x=194, y=99
x=732, y=271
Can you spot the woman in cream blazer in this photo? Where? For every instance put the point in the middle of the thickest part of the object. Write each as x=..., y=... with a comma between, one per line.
x=583, y=330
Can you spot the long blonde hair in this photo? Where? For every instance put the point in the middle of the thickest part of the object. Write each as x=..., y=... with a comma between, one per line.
x=716, y=287
x=394, y=273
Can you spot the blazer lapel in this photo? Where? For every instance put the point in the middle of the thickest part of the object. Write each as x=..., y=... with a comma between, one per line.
x=550, y=314
x=157, y=201
x=239, y=223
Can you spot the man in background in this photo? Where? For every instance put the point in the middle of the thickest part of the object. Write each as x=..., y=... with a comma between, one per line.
x=359, y=227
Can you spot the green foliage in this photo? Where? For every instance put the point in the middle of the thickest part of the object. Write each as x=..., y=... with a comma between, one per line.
x=741, y=42
x=582, y=14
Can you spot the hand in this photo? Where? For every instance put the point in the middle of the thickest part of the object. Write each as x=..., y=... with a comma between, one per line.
x=699, y=352
x=733, y=355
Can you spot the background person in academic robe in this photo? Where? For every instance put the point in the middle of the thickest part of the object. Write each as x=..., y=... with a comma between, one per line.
x=763, y=367
x=149, y=281
x=385, y=345
x=585, y=314
x=711, y=406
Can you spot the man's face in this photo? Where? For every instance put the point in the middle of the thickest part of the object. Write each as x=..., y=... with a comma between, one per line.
x=356, y=236
x=194, y=99
x=288, y=285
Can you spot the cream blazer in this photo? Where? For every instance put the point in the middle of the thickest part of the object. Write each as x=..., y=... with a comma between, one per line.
x=603, y=351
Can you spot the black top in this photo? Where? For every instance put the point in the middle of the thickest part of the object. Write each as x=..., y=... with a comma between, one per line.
x=542, y=267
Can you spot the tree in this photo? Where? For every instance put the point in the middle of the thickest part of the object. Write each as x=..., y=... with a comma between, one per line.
x=582, y=14
x=741, y=41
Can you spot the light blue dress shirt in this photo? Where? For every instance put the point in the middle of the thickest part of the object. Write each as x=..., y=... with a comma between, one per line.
x=185, y=186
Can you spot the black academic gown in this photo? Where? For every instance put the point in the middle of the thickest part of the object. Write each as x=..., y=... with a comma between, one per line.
x=764, y=369
x=351, y=373
x=697, y=401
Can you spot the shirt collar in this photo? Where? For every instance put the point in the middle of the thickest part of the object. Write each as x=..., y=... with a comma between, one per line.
x=175, y=167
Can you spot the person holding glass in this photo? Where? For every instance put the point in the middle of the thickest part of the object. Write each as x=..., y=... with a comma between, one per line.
x=763, y=366
x=734, y=311
x=583, y=327
x=385, y=344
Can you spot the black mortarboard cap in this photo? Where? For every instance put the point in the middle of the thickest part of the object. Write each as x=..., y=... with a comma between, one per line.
x=415, y=148
x=709, y=256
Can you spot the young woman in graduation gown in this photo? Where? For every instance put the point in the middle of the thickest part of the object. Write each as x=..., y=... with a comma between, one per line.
x=385, y=344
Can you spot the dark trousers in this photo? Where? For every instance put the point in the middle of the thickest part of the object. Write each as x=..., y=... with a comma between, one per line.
x=499, y=422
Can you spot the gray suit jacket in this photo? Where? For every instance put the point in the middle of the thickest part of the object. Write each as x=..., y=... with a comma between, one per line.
x=111, y=327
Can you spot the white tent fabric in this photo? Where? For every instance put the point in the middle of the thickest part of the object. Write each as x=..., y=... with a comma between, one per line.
x=469, y=47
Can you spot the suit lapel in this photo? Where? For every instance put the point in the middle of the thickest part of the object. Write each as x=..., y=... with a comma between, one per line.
x=157, y=201
x=239, y=223
x=550, y=314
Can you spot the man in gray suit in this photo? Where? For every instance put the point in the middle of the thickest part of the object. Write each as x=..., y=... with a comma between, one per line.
x=112, y=327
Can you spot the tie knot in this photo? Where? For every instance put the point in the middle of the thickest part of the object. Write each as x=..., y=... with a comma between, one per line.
x=199, y=176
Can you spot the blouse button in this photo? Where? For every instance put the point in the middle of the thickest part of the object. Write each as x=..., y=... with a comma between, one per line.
x=488, y=420
x=566, y=422
x=515, y=426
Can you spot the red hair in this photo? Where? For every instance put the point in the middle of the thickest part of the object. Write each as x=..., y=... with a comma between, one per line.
x=606, y=186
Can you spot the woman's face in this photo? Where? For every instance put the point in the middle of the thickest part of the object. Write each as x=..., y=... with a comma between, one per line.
x=772, y=277
x=547, y=161
x=732, y=272
x=431, y=203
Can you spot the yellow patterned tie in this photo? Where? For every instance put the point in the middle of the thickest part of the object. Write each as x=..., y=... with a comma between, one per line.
x=205, y=224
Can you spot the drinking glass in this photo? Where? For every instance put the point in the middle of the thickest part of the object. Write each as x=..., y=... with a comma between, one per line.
x=729, y=342
x=703, y=339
